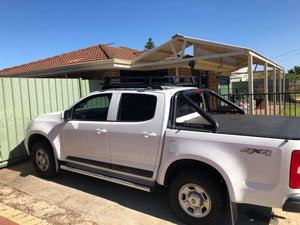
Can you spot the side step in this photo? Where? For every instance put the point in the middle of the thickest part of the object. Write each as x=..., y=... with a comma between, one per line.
x=107, y=178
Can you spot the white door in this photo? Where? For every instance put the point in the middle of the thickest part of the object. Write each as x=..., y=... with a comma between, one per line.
x=85, y=137
x=136, y=135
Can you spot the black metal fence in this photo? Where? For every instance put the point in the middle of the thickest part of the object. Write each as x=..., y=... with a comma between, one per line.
x=274, y=104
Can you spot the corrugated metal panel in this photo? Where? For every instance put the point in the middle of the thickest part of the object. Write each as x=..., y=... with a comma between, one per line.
x=22, y=99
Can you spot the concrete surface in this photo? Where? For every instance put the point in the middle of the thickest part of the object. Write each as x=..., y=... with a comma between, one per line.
x=72, y=198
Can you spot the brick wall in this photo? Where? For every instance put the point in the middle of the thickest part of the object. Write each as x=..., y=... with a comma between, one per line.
x=183, y=71
x=212, y=81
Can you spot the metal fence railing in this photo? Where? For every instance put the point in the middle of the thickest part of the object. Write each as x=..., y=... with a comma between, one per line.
x=274, y=104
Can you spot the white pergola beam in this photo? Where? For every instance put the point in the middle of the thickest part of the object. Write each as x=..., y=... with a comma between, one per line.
x=174, y=51
x=211, y=43
x=265, y=60
x=183, y=49
x=192, y=58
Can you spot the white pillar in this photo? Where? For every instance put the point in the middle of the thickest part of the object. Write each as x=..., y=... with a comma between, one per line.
x=250, y=83
x=274, y=90
x=280, y=89
x=266, y=89
x=283, y=82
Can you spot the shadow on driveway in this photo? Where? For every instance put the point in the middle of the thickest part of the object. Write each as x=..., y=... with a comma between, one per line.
x=155, y=204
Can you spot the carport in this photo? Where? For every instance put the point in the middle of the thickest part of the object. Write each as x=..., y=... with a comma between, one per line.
x=211, y=56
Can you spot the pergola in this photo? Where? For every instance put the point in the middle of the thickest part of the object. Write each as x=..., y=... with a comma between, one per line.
x=212, y=56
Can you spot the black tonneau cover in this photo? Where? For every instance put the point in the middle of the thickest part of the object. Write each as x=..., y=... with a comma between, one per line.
x=260, y=126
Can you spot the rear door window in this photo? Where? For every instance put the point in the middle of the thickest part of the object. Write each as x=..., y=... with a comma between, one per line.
x=136, y=107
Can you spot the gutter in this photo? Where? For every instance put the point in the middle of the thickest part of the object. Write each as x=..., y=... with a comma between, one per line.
x=88, y=66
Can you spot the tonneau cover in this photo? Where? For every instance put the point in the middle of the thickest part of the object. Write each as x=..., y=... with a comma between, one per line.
x=260, y=126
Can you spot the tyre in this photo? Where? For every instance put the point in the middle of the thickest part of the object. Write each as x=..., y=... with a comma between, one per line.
x=197, y=198
x=43, y=159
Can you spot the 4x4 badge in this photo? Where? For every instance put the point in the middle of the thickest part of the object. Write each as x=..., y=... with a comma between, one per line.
x=250, y=151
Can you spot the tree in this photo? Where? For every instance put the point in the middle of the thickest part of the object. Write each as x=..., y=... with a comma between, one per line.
x=293, y=74
x=296, y=70
x=149, y=44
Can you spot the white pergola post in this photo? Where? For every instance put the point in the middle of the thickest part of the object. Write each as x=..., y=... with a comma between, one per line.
x=250, y=83
x=274, y=90
x=283, y=82
x=280, y=89
x=266, y=89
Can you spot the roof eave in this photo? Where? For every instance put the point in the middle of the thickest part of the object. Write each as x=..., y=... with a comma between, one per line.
x=88, y=66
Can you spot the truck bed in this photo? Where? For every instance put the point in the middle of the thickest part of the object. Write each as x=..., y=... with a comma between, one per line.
x=260, y=126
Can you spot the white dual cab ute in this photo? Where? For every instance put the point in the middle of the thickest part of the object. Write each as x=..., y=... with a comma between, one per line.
x=197, y=143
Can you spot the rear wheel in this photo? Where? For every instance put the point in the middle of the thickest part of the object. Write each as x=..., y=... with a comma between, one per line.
x=197, y=198
x=43, y=159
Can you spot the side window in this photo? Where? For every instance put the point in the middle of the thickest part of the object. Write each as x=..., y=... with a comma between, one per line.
x=183, y=108
x=186, y=114
x=94, y=108
x=137, y=107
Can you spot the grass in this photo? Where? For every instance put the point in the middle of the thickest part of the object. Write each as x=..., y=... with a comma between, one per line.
x=295, y=95
x=290, y=110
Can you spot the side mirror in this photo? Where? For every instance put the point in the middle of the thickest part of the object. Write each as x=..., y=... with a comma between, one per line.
x=66, y=115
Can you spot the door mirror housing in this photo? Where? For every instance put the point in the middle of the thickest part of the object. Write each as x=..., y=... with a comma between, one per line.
x=66, y=115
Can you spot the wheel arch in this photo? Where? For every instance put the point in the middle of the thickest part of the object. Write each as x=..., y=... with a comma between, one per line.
x=34, y=138
x=37, y=138
x=181, y=165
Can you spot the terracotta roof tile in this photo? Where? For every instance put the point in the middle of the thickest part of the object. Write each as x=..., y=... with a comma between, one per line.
x=90, y=54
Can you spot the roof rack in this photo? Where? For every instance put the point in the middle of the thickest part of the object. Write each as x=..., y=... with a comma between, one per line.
x=155, y=82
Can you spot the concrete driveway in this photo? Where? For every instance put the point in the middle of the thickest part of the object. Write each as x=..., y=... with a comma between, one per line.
x=77, y=199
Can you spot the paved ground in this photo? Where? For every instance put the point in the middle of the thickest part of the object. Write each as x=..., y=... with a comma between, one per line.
x=76, y=199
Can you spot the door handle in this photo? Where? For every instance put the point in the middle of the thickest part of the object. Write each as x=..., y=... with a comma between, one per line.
x=100, y=131
x=149, y=134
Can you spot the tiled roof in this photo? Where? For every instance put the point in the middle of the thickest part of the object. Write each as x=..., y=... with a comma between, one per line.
x=90, y=54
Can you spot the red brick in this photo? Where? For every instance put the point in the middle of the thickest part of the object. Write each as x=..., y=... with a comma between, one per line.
x=5, y=221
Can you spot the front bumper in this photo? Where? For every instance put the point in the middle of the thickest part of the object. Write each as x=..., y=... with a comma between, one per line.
x=292, y=204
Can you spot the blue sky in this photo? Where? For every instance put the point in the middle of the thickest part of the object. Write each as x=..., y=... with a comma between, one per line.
x=35, y=29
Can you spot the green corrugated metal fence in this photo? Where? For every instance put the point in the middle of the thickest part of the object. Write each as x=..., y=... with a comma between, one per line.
x=22, y=99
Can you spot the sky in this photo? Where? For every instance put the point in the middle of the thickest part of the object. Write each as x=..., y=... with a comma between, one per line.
x=31, y=30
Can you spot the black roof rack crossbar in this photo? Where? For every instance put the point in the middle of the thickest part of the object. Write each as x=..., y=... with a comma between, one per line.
x=155, y=82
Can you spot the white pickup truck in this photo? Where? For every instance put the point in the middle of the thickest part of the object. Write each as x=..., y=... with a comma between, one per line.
x=200, y=145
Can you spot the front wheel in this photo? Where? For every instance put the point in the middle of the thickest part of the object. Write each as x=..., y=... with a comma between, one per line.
x=197, y=198
x=43, y=159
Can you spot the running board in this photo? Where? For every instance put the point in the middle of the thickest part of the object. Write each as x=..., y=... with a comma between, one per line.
x=107, y=178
